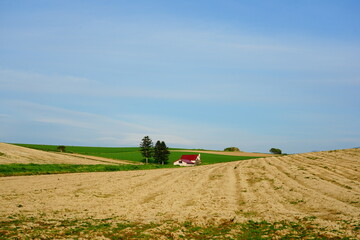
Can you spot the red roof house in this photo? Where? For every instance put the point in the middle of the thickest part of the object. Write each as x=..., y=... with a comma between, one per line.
x=188, y=160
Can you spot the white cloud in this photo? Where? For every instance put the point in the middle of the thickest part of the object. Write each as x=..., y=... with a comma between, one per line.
x=103, y=130
x=219, y=88
x=61, y=116
x=94, y=129
x=39, y=83
x=33, y=83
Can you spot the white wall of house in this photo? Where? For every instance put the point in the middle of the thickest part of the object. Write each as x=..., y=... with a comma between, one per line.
x=184, y=164
x=198, y=160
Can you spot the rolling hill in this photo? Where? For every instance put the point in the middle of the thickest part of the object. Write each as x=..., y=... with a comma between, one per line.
x=16, y=154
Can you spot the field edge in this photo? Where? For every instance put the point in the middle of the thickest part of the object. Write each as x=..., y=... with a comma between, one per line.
x=19, y=226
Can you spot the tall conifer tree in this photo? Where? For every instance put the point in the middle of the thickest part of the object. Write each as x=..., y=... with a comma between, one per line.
x=161, y=153
x=165, y=153
x=157, y=152
x=146, y=148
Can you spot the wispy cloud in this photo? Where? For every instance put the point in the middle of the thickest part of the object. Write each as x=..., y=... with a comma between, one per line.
x=92, y=127
x=88, y=128
x=226, y=87
x=19, y=82
x=50, y=114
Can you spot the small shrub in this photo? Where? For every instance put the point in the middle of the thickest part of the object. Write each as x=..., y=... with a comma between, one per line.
x=232, y=149
x=275, y=151
x=61, y=148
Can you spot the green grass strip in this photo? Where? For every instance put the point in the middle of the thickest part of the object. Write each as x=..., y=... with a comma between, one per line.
x=80, y=149
x=16, y=169
x=20, y=227
x=133, y=153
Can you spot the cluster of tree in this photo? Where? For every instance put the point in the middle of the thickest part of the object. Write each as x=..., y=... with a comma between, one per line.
x=275, y=151
x=160, y=152
x=232, y=149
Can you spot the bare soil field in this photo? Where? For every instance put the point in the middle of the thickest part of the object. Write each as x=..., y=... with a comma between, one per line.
x=16, y=154
x=322, y=185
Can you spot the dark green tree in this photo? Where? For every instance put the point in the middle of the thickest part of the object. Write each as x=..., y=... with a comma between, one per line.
x=232, y=149
x=275, y=151
x=146, y=148
x=157, y=152
x=61, y=148
x=161, y=153
x=165, y=153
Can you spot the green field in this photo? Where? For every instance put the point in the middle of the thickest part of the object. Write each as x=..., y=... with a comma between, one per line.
x=80, y=149
x=208, y=158
x=128, y=153
x=36, y=169
x=133, y=153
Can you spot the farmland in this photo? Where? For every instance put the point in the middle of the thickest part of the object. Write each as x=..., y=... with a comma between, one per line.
x=30, y=159
x=11, y=154
x=310, y=195
x=133, y=153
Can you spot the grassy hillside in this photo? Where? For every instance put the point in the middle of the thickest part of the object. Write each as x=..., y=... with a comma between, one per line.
x=126, y=153
x=36, y=169
x=133, y=153
x=80, y=149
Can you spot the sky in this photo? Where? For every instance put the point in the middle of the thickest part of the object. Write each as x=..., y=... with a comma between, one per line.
x=204, y=74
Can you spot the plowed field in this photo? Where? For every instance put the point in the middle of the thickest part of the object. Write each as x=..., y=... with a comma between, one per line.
x=324, y=185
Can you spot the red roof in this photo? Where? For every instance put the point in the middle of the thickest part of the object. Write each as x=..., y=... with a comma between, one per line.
x=189, y=157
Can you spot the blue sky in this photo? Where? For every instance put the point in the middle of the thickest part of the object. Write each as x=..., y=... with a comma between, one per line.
x=198, y=74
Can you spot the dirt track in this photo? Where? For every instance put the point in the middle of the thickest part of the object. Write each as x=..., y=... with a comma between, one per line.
x=324, y=184
x=16, y=154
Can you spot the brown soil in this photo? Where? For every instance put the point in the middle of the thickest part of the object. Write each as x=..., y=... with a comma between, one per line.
x=323, y=184
x=16, y=154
